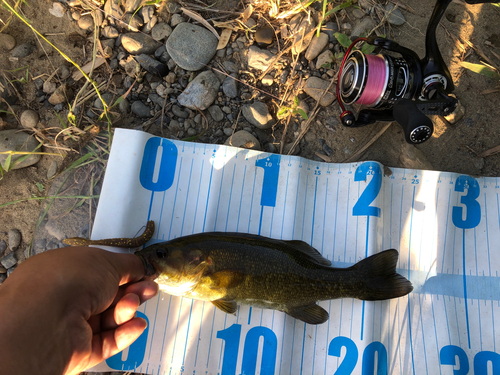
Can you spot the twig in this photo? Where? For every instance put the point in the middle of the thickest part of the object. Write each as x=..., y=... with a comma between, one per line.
x=368, y=144
x=491, y=151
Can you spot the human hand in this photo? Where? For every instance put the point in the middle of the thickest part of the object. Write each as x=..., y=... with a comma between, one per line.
x=68, y=309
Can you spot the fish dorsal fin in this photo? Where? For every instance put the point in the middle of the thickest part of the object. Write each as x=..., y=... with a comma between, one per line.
x=309, y=251
x=311, y=314
x=229, y=307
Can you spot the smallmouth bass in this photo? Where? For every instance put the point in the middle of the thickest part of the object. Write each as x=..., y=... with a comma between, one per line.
x=228, y=269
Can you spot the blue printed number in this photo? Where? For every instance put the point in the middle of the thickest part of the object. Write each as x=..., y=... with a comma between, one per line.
x=136, y=351
x=369, y=359
x=362, y=206
x=232, y=335
x=472, y=207
x=271, y=166
x=165, y=171
x=481, y=362
x=351, y=356
x=455, y=356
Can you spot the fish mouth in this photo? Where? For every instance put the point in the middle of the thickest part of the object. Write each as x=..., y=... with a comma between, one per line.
x=150, y=272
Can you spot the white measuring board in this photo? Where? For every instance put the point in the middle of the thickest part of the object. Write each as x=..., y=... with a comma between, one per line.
x=445, y=226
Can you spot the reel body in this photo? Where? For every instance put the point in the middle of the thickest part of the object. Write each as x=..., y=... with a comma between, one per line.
x=396, y=85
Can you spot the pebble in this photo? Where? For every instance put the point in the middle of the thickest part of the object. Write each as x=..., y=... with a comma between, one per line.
x=179, y=112
x=264, y=36
x=365, y=4
x=316, y=46
x=396, y=17
x=228, y=131
x=107, y=97
x=3, y=277
x=57, y=10
x=23, y=50
x=152, y=66
x=58, y=107
x=358, y=13
x=64, y=72
x=243, y=139
x=29, y=119
x=161, y=31
x=3, y=247
x=330, y=29
x=49, y=87
x=124, y=106
x=314, y=87
x=110, y=32
x=14, y=239
x=267, y=80
x=177, y=19
x=11, y=140
x=201, y=92
x=10, y=270
x=301, y=41
x=147, y=13
x=174, y=125
x=113, y=9
x=191, y=46
x=131, y=22
x=173, y=7
x=7, y=42
x=140, y=109
x=131, y=6
x=9, y=261
x=86, y=22
x=259, y=59
x=136, y=43
x=325, y=60
x=230, y=66
x=51, y=172
x=59, y=96
x=363, y=26
x=216, y=113
x=258, y=115
x=3, y=270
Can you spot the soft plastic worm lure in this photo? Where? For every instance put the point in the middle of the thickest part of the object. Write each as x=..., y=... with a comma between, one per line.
x=117, y=242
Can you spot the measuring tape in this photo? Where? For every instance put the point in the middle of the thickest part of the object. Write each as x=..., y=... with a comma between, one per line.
x=444, y=225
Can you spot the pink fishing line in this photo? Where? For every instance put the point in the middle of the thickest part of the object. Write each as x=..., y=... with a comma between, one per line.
x=375, y=83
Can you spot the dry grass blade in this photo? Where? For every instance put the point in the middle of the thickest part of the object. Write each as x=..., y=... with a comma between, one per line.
x=88, y=67
x=491, y=151
x=201, y=20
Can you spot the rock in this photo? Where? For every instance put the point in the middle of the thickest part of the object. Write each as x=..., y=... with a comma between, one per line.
x=147, y=13
x=161, y=31
x=288, y=147
x=124, y=106
x=396, y=17
x=2, y=270
x=362, y=27
x=325, y=60
x=49, y=87
x=191, y=46
x=60, y=95
x=267, y=80
x=136, y=43
x=57, y=10
x=7, y=42
x=152, y=66
x=243, y=139
x=358, y=13
x=264, y=36
x=64, y=72
x=86, y=22
x=316, y=46
x=140, y=109
x=201, y=91
x=51, y=172
x=302, y=40
x=131, y=66
x=230, y=66
x=365, y=4
x=113, y=9
x=216, y=113
x=107, y=97
x=412, y=158
x=98, y=17
x=258, y=115
x=330, y=29
x=230, y=86
x=3, y=247
x=314, y=87
x=179, y=112
x=176, y=20
x=259, y=59
x=11, y=140
x=10, y=270
x=23, y=50
x=130, y=6
x=457, y=114
x=9, y=261
x=29, y=119
x=3, y=277
x=110, y=32
x=14, y=239
x=173, y=7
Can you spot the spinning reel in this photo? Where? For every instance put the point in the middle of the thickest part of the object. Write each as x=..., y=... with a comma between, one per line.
x=405, y=89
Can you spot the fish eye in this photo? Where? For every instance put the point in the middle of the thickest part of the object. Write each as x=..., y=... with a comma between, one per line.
x=161, y=253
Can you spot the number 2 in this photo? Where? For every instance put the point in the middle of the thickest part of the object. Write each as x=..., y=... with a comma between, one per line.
x=362, y=206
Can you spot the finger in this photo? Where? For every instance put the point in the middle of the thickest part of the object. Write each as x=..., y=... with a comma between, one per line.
x=128, y=266
x=145, y=289
x=124, y=311
x=109, y=343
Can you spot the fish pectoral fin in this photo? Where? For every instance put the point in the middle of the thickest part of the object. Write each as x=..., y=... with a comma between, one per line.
x=310, y=251
x=311, y=314
x=228, y=307
x=226, y=279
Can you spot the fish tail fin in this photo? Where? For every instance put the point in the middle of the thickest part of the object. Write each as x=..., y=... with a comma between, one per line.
x=378, y=272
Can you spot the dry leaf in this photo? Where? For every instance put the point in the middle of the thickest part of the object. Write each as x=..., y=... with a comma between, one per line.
x=224, y=38
x=247, y=13
x=201, y=20
x=86, y=68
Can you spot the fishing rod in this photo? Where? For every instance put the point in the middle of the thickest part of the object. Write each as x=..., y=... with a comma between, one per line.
x=405, y=89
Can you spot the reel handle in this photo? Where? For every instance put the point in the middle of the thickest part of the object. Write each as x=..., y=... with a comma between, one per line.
x=417, y=127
